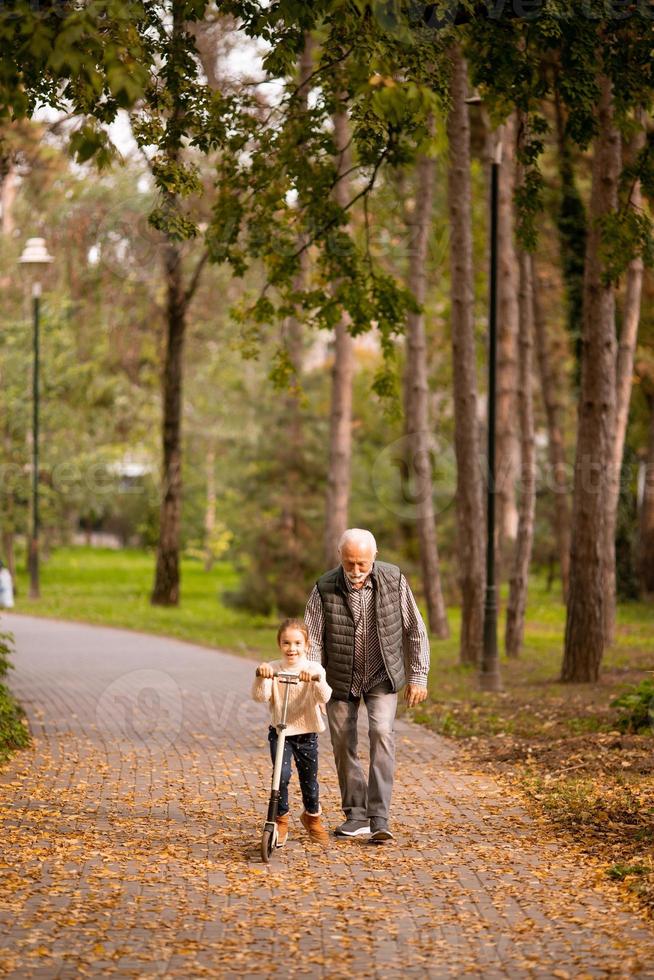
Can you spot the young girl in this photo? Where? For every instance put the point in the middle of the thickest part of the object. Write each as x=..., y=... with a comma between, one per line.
x=304, y=721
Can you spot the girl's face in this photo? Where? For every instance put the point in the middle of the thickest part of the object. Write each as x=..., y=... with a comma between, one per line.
x=293, y=645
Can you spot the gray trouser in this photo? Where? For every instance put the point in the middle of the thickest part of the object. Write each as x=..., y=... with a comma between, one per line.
x=363, y=798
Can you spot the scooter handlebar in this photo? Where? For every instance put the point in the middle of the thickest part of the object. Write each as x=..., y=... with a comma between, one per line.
x=283, y=673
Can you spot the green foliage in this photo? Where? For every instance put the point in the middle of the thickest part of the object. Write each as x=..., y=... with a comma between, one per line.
x=282, y=371
x=99, y=340
x=626, y=233
x=626, y=578
x=636, y=707
x=171, y=222
x=94, y=56
x=6, y=647
x=275, y=202
x=214, y=547
x=14, y=734
x=529, y=194
x=618, y=872
x=92, y=141
x=173, y=177
x=279, y=549
x=571, y=225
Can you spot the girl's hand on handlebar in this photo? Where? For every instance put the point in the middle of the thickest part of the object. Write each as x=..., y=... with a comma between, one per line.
x=265, y=670
x=305, y=675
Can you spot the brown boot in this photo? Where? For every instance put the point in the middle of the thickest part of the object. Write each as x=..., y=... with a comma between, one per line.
x=313, y=825
x=282, y=829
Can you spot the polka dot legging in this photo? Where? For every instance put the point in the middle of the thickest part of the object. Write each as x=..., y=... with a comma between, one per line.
x=304, y=749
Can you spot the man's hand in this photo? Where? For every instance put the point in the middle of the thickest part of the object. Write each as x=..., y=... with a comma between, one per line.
x=413, y=695
x=265, y=670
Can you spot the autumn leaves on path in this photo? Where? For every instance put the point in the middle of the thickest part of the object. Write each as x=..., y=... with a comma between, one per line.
x=131, y=828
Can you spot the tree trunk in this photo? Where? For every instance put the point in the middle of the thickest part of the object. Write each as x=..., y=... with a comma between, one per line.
x=551, y=386
x=166, y=583
x=8, y=192
x=470, y=514
x=293, y=448
x=8, y=554
x=585, y=624
x=646, y=519
x=210, y=512
x=623, y=382
x=571, y=226
x=515, y=614
x=416, y=390
x=507, y=444
x=340, y=422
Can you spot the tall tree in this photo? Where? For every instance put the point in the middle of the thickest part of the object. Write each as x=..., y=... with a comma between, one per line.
x=339, y=464
x=470, y=515
x=294, y=342
x=585, y=623
x=416, y=393
x=551, y=382
x=571, y=226
x=515, y=613
x=179, y=63
x=624, y=370
x=166, y=583
x=646, y=516
x=507, y=426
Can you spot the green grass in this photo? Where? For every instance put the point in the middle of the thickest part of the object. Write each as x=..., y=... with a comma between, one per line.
x=98, y=585
x=533, y=699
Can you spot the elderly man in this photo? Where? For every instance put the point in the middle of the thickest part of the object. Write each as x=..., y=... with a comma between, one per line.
x=366, y=630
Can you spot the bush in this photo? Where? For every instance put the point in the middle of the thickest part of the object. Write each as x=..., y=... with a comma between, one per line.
x=6, y=642
x=14, y=733
x=636, y=707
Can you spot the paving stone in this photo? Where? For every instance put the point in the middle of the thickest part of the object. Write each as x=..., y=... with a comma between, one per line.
x=152, y=745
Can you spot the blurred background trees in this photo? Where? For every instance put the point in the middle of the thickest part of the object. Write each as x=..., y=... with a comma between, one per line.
x=267, y=316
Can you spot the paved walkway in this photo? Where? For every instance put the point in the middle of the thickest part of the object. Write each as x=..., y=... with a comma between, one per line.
x=130, y=842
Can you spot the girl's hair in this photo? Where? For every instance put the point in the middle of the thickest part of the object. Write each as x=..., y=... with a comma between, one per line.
x=293, y=624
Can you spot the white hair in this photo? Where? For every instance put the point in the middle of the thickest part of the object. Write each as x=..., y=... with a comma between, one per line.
x=360, y=536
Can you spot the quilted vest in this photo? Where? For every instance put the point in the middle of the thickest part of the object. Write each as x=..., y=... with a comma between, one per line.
x=338, y=641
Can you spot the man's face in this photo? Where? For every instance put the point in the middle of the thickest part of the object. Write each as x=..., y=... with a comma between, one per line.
x=357, y=560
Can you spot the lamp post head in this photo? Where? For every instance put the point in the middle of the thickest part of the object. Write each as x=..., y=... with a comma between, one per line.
x=35, y=254
x=35, y=258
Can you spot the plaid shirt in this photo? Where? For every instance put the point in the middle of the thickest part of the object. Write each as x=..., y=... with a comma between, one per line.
x=369, y=667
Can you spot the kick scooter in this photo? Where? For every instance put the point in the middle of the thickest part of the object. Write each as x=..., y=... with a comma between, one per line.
x=269, y=836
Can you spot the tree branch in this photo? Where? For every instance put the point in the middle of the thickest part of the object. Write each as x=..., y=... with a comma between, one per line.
x=357, y=197
x=195, y=278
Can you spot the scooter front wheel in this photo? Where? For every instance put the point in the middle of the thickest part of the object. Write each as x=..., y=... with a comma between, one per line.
x=267, y=845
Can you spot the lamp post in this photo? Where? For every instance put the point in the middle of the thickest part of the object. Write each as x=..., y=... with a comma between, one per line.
x=489, y=668
x=36, y=258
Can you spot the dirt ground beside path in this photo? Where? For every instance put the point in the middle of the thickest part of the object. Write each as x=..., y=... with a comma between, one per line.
x=130, y=842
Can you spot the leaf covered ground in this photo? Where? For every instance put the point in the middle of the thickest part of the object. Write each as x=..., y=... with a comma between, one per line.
x=568, y=748
x=130, y=836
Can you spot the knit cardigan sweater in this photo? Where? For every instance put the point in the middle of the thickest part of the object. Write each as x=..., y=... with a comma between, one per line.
x=304, y=700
